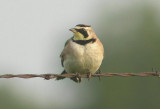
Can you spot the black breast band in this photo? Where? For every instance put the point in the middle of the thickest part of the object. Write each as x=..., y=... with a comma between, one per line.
x=84, y=42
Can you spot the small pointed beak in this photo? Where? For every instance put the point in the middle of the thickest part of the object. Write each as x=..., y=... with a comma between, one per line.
x=73, y=30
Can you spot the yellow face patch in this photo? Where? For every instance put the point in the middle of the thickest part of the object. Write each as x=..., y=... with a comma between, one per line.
x=79, y=36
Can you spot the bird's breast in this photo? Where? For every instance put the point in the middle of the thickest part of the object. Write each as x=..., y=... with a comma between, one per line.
x=83, y=58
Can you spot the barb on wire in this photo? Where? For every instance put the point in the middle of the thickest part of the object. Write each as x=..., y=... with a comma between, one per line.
x=51, y=76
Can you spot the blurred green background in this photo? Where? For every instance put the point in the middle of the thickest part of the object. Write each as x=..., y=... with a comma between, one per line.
x=33, y=34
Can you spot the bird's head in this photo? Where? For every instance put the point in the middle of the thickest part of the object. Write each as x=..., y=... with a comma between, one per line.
x=82, y=32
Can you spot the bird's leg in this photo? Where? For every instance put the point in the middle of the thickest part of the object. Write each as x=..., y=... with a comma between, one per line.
x=89, y=75
x=59, y=78
x=76, y=78
x=99, y=72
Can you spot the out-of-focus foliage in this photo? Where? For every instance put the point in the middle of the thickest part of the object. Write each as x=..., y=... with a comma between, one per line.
x=131, y=40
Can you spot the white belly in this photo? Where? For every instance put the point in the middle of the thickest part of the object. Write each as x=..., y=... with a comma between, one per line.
x=83, y=59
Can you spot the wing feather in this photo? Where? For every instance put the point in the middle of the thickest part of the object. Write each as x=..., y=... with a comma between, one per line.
x=63, y=54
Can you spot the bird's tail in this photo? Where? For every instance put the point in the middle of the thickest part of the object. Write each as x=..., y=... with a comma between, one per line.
x=59, y=78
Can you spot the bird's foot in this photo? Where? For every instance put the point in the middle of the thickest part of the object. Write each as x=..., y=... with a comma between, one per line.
x=89, y=75
x=76, y=78
x=99, y=72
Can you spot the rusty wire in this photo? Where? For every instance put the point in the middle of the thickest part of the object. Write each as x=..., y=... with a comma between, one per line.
x=51, y=76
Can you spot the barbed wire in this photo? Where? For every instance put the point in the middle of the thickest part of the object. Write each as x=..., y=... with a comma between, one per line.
x=52, y=76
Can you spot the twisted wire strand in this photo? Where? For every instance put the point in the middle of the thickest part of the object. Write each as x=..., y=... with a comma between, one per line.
x=52, y=76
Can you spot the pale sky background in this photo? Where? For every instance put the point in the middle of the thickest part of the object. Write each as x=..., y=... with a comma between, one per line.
x=32, y=36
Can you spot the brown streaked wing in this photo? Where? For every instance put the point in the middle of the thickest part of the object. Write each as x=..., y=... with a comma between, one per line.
x=62, y=56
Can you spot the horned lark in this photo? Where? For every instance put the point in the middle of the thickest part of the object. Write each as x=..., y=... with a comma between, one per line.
x=83, y=53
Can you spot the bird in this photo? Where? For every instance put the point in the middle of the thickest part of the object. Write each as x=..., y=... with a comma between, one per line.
x=82, y=54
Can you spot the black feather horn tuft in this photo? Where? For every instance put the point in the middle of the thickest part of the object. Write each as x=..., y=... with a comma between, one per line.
x=83, y=25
